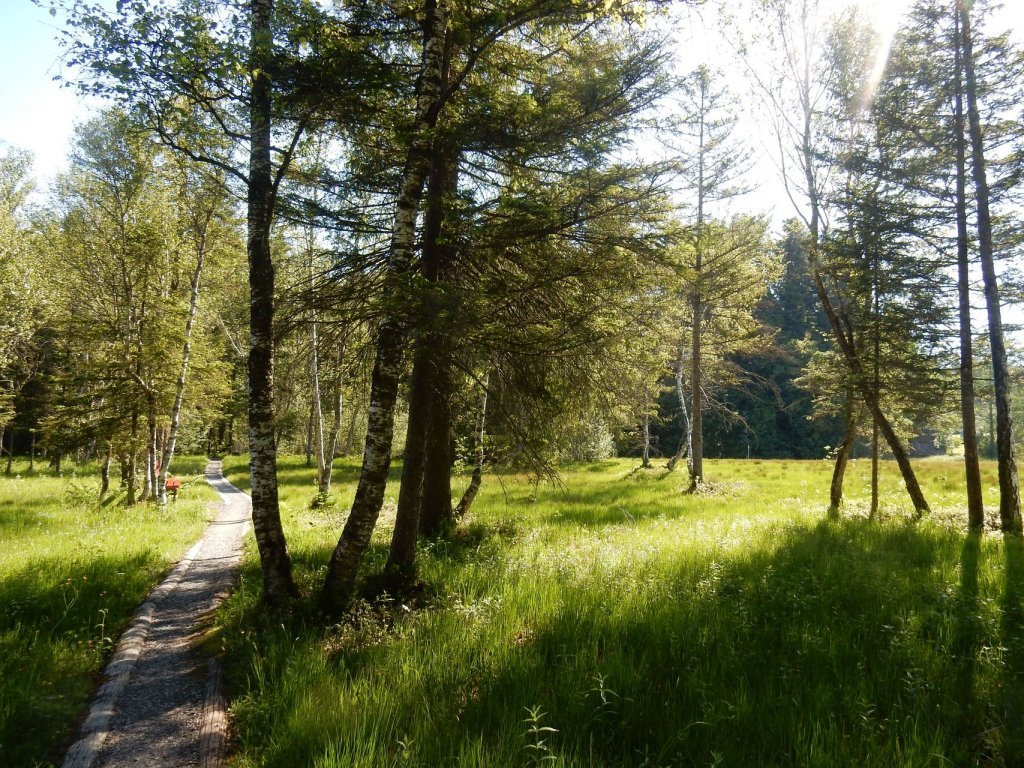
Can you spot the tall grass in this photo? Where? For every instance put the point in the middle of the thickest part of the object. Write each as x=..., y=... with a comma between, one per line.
x=72, y=572
x=615, y=621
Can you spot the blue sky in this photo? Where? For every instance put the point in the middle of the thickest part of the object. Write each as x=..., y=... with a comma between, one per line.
x=35, y=113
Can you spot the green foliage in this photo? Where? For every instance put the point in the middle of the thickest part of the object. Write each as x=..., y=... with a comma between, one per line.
x=651, y=628
x=72, y=572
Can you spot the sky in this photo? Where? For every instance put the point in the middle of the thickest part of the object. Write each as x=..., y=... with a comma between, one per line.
x=37, y=114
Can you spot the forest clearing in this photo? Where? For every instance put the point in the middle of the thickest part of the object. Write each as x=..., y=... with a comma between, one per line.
x=512, y=383
x=647, y=626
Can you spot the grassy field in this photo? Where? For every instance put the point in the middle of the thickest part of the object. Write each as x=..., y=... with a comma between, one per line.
x=72, y=572
x=614, y=621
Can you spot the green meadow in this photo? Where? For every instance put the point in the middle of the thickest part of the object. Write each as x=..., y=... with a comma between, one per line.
x=72, y=572
x=612, y=620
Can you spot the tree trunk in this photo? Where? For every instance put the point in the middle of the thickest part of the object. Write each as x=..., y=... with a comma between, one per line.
x=105, y=471
x=350, y=438
x=402, y=558
x=133, y=451
x=355, y=537
x=1009, y=487
x=683, y=451
x=167, y=455
x=843, y=457
x=318, y=411
x=309, y=434
x=437, y=515
x=478, y=466
x=972, y=469
x=339, y=395
x=275, y=561
x=416, y=507
x=695, y=460
x=696, y=457
x=151, y=453
x=645, y=438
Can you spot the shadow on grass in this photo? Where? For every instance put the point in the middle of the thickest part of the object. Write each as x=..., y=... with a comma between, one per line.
x=58, y=620
x=1012, y=630
x=830, y=644
x=967, y=643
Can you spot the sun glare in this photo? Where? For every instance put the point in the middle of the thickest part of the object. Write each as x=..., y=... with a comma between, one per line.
x=885, y=16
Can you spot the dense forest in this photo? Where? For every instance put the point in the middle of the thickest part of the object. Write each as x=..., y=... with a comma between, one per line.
x=512, y=234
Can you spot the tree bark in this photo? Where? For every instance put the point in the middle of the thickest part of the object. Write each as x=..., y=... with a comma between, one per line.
x=695, y=461
x=150, y=493
x=309, y=435
x=355, y=537
x=275, y=561
x=645, y=437
x=843, y=456
x=350, y=438
x=179, y=386
x=972, y=469
x=339, y=383
x=402, y=558
x=105, y=471
x=318, y=411
x=1009, y=485
x=133, y=450
x=415, y=508
x=478, y=466
x=683, y=451
x=436, y=514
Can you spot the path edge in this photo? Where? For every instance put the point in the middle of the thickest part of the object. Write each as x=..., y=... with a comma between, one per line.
x=213, y=730
x=122, y=664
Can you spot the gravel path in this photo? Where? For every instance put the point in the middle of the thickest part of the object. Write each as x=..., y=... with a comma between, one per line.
x=160, y=703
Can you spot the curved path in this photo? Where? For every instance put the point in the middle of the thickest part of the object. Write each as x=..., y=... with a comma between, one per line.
x=160, y=703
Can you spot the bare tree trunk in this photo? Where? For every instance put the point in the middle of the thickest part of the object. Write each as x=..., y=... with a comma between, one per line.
x=437, y=515
x=683, y=451
x=309, y=434
x=105, y=470
x=339, y=398
x=402, y=558
x=478, y=466
x=275, y=561
x=645, y=438
x=318, y=411
x=1009, y=485
x=843, y=456
x=133, y=450
x=972, y=469
x=428, y=396
x=167, y=455
x=348, y=554
x=696, y=457
x=150, y=492
x=350, y=438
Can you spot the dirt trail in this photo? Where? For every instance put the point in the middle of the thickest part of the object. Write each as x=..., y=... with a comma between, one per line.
x=160, y=703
